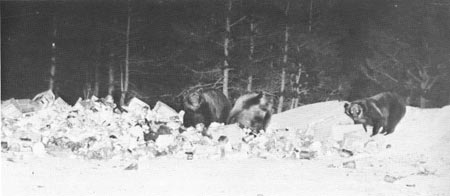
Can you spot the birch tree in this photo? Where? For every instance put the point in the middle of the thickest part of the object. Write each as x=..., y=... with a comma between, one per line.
x=226, y=47
x=285, y=61
x=251, y=53
x=125, y=73
x=110, y=79
x=51, y=84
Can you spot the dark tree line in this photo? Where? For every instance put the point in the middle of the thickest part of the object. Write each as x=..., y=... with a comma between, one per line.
x=298, y=51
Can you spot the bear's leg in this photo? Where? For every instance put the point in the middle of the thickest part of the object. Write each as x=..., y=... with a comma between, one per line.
x=384, y=130
x=376, y=128
x=386, y=127
x=389, y=128
x=365, y=127
x=394, y=119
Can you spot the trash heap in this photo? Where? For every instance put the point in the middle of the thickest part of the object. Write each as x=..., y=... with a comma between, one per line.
x=93, y=129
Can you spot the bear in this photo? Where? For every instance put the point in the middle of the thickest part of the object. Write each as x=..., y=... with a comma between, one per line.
x=205, y=106
x=253, y=111
x=382, y=110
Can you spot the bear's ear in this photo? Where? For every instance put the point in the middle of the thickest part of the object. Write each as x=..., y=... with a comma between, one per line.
x=346, y=105
x=347, y=108
x=260, y=94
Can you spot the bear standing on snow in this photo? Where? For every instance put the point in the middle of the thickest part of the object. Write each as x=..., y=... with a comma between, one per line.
x=251, y=111
x=205, y=106
x=382, y=110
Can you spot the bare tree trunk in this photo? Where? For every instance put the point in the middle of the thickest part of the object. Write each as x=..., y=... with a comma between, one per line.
x=285, y=61
x=298, y=85
x=226, y=66
x=249, y=83
x=310, y=16
x=408, y=98
x=424, y=102
x=250, y=56
x=51, y=85
x=97, y=40
x=96, y=80
x=292, y=103
x=87, y=90
x=283, y=84
x=111, y=79
x=122, y=95
x=296, y=88
x=127, y=55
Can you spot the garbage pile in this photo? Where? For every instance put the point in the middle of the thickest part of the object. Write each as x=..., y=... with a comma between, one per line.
x=93, y=129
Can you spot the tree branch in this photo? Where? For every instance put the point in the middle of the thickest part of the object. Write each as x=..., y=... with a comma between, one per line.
x=387, y=75
x=237, y=21
x=433, y=81
x=374, y=68
x=417, y=79
x=203, y=72
x=366, y=73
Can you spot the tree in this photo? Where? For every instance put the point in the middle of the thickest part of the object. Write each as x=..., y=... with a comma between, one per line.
x=411, y=61
x=126, y=72
x=251, y=53
x=51, y=85
x=285, y=61
x=226, y=47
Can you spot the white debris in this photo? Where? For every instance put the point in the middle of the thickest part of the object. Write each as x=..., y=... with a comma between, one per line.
x=109, y=99
x=164, y=141
x=164, y=113
x=45, y=98
x=9, y=110
x=137, y=105
x=61, y=103
x=94, y=98
x=232, y=132
x=91, y=129
x=39, y=149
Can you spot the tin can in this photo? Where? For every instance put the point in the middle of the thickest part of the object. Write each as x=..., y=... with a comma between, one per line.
x=190, y=155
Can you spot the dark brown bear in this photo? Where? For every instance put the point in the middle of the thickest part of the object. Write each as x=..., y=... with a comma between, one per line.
x=382, y=110
x=205, y=106
x=251, y=111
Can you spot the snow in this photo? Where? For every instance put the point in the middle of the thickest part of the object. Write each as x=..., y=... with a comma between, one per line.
x=417, y=162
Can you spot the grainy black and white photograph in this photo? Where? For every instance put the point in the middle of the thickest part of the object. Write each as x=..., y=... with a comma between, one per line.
x=225, y=97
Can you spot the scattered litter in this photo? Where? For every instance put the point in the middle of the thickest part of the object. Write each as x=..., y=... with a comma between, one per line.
x=349, y=164
x=10, y=110
x=307, y=155
x=164, y=113
x=91, y=129
x=45, y=99
x=390, y=179
x=133, y=166
x=423, y=171
x=190, y=155
x=345, y=153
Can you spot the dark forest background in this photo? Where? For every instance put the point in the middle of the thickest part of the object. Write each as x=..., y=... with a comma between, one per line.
x=336, y=49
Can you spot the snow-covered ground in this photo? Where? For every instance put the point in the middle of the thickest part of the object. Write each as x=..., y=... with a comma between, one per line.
x=417, y=162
